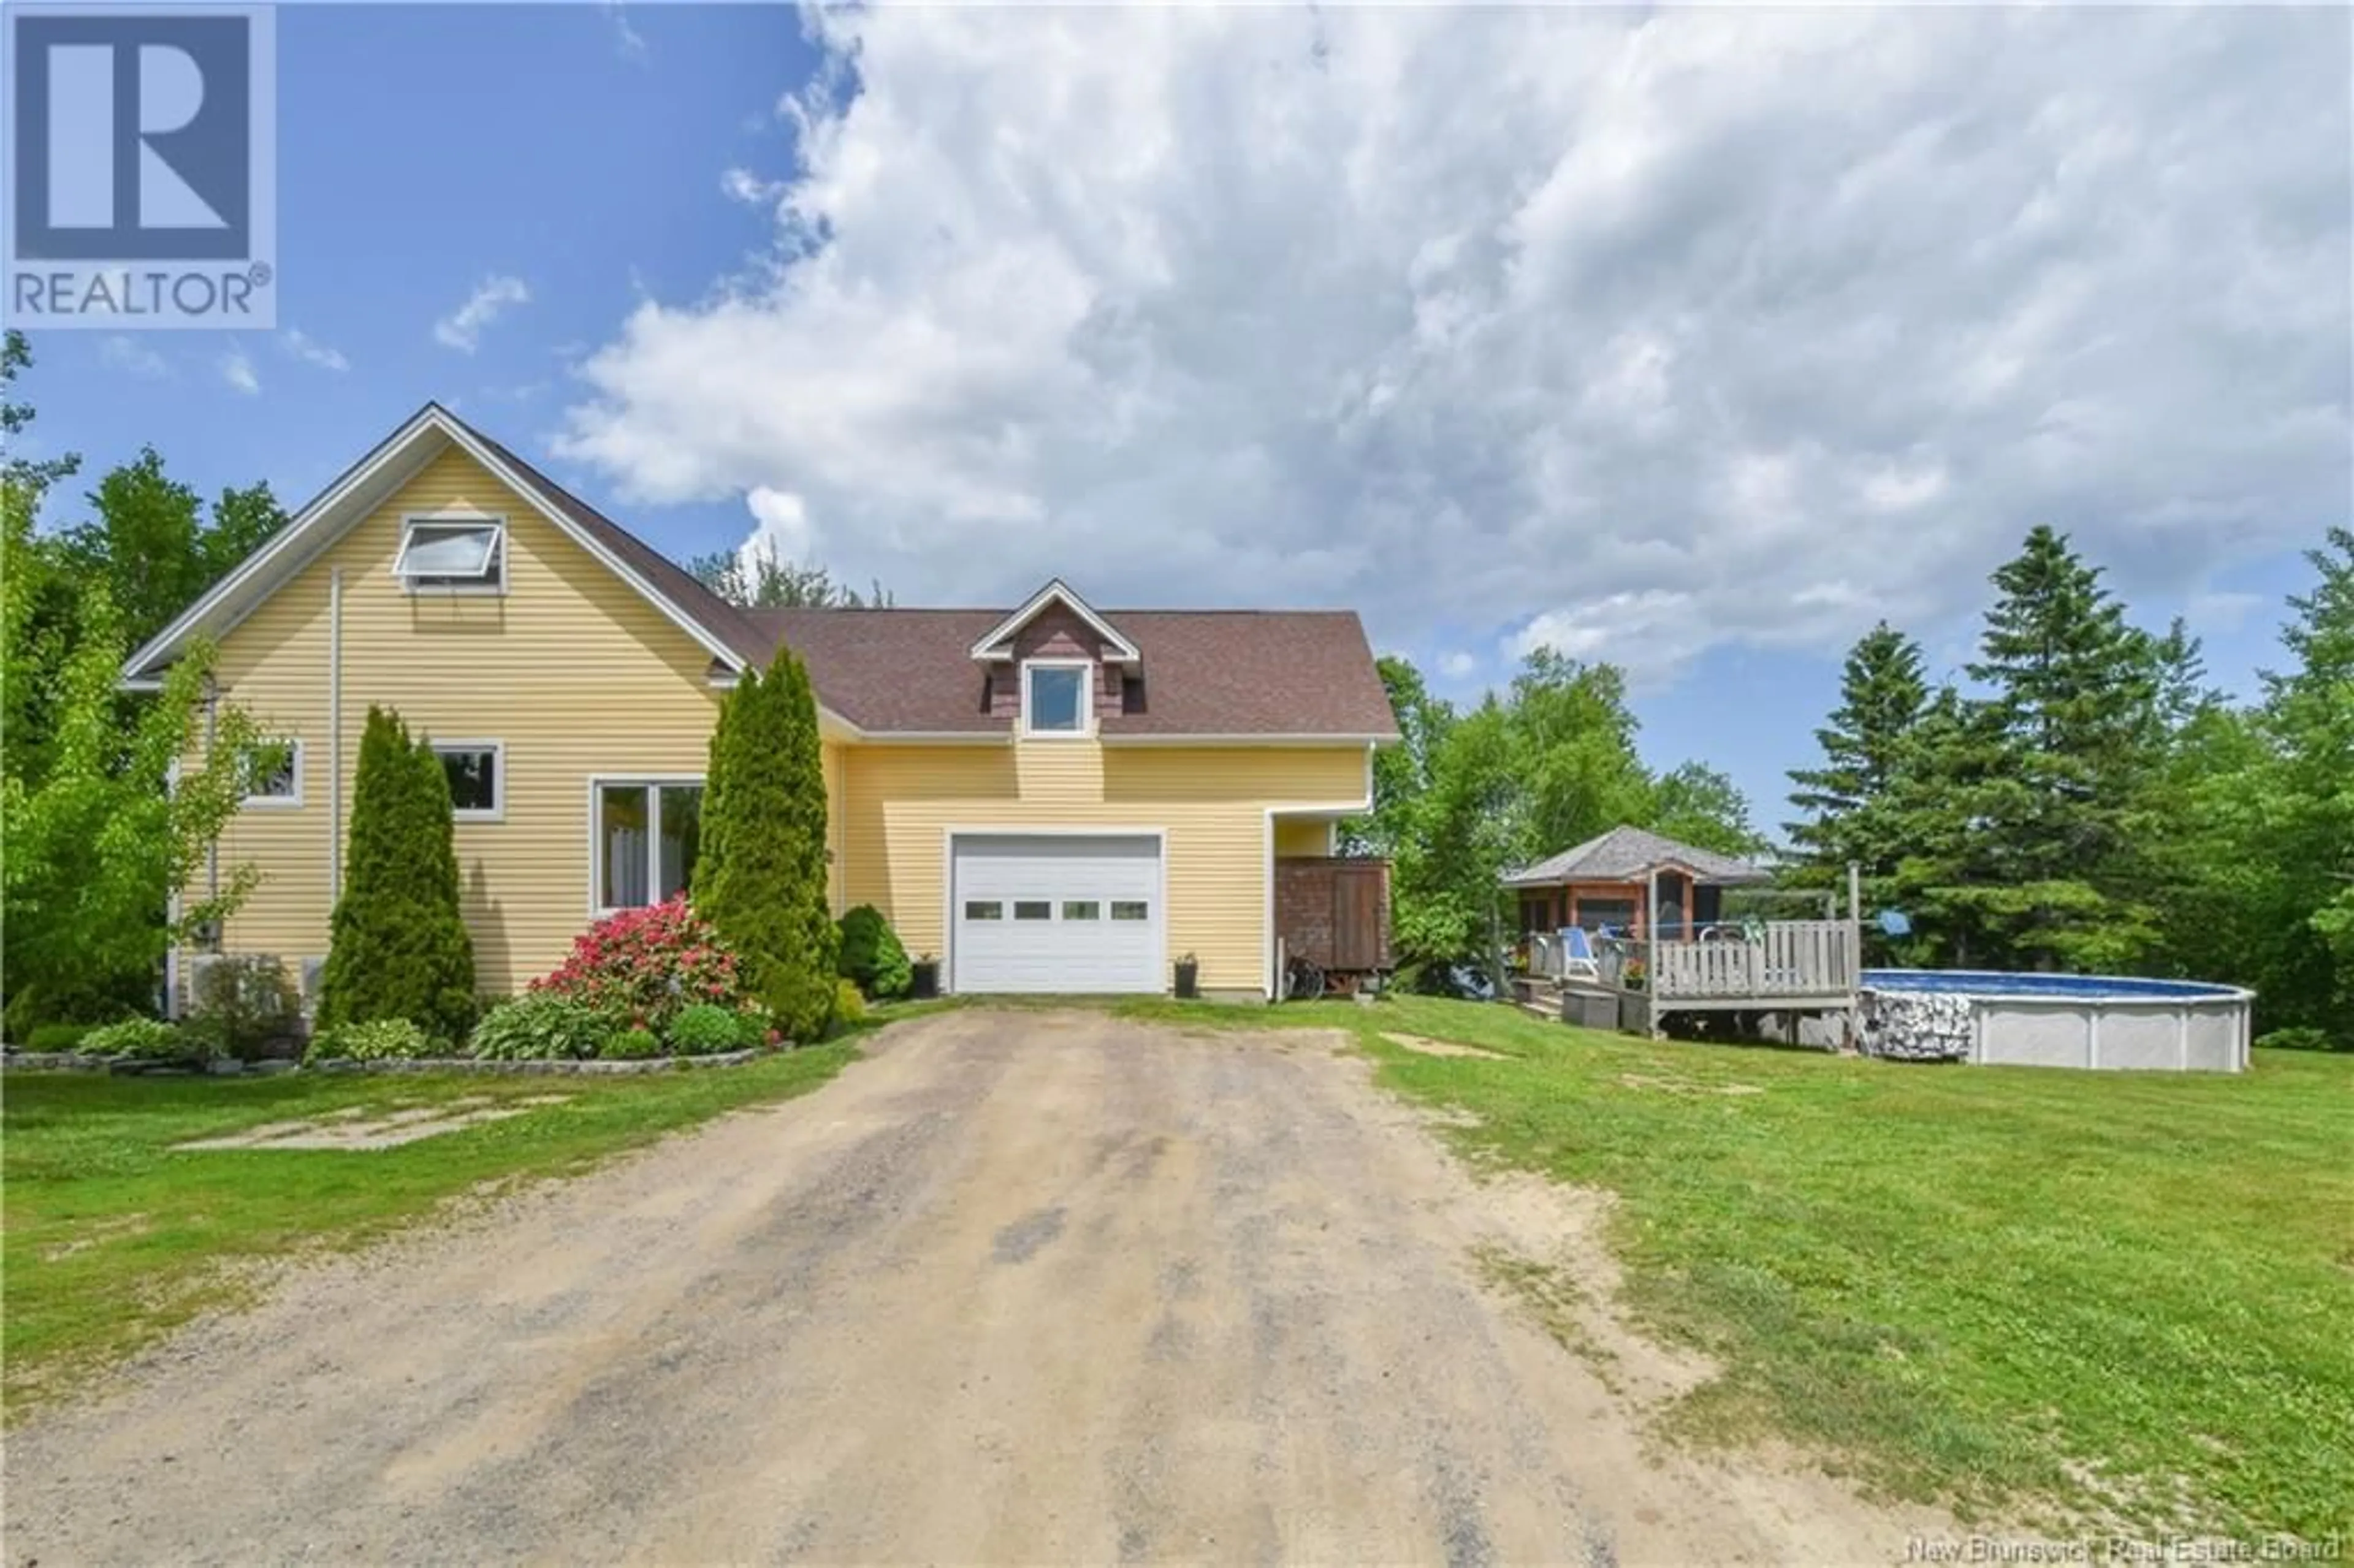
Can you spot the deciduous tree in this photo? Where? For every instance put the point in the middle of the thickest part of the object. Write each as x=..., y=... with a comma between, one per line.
x=767, y=580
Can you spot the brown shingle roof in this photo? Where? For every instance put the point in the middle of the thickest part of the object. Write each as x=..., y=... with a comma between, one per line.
x=1628, y=854
x=1205, y=671
x=672, y=581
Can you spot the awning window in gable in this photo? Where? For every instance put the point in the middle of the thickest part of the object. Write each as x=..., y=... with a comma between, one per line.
x=467, y=555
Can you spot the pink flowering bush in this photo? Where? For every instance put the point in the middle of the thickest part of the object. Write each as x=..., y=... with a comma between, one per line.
x=642, y=966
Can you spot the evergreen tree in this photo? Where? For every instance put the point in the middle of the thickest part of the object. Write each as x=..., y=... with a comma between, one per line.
x=1850, y=812
x=2305, y=828
x=872, y=954
x=761, y=878
x=2072, y=694
x=1931, y=823
x=398, y=946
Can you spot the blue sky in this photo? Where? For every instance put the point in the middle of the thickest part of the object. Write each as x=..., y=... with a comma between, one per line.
x=1665, y=357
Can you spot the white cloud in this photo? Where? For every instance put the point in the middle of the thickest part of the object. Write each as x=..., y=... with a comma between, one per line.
x=1456, y=665
x=781, y=528
x=462, y=328
x=627, y=42
x=301, y=346
x=744, y=186
x=1647, y=633
x=236, y=369
x=134, y=357
x=1664, y=347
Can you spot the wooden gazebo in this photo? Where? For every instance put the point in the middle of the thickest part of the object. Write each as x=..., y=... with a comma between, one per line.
x=1656, y=945
x=1631, y=882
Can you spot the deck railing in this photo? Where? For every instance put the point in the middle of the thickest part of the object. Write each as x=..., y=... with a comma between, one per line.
x=1768, y=959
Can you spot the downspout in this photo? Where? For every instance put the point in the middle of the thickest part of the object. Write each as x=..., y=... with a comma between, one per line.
x=212, y=743
x=335, y=736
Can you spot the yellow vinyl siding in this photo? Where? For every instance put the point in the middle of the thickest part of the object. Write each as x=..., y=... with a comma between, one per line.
x=1212, y=801
x=571, y=669
x=1303, y=837
x=579, y=677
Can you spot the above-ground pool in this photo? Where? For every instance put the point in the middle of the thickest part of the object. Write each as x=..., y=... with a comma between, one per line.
x=2056, y=1020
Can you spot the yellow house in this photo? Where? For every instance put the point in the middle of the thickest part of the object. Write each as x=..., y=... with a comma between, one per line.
x=1049, y=798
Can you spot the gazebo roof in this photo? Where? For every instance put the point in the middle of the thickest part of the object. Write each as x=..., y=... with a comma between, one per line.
x=1631, y=854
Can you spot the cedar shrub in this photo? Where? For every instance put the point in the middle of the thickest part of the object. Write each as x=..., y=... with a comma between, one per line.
x=873, y=955
x=761, y=878
x=397, y=946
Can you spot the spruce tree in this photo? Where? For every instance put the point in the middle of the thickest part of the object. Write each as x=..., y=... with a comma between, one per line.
x=2306, y=837
x=761, y=878
x=1849, y=812
x=398, y=946
x=2074, y=695
x=1952, y=754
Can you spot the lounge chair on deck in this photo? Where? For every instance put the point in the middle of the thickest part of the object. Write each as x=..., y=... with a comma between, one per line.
x=1577, y=957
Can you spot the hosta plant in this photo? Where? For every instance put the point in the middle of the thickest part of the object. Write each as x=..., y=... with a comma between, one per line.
x=142, y=1040
x=377, y=1039
x=537, y=1028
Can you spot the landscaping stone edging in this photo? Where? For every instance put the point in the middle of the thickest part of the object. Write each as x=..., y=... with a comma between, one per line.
x=74, y=1062
x=556, y=1067
x=54, y=1061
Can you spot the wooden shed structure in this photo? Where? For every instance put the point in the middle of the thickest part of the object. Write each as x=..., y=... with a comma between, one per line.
x=1333, y=912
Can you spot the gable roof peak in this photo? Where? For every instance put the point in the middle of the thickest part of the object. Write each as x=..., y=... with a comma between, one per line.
x=997, y=643
x=359, y=489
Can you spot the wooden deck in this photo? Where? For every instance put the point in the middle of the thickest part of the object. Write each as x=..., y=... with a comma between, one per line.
x=1783, y=967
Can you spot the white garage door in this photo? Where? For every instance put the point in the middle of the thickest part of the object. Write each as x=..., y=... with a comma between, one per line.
x=1056, y=913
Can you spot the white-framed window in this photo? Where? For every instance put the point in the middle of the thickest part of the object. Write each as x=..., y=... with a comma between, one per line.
x=1057, y=698
x=644, y=836
x=477, y=771
x=447, y=553
x=273, y=774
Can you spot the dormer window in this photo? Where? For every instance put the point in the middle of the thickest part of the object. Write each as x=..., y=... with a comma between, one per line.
x=453, y=555
x=1055, y=697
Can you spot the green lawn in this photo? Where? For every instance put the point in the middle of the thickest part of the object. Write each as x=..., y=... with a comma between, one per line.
x=2004, y=1287
x=112, y=1236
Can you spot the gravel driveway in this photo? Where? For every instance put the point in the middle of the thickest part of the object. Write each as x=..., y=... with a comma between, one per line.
x=1022, y=1286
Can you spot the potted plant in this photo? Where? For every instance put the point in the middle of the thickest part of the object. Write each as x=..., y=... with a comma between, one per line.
x=924, y=978
x=1632, y=975
x=1188, y=975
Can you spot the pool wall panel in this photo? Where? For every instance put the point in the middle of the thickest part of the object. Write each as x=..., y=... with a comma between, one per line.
x=2140, y=1038
x=2217, y=1040
x=2019, y=1034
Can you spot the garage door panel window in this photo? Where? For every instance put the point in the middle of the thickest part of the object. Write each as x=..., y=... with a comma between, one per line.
x=983, y=909
x=649, y=835
x=1130, y=909
x=1082, y=909
x=1028, y=909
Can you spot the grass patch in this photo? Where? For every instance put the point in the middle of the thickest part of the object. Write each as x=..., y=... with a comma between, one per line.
x=2128, y=1296
x=113, y=1236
